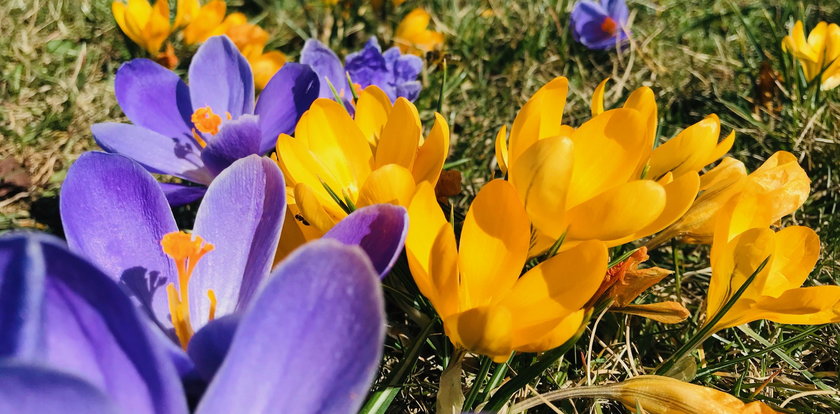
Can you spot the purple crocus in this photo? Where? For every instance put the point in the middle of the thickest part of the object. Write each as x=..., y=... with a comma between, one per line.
x=195, y=132
x=600, y=26
x=115, y=214
x=394, y=73
x=73, y=342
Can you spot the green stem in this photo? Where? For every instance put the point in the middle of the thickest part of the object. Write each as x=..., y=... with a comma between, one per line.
x=478, y=382
x=496, y=379
x=709, y=328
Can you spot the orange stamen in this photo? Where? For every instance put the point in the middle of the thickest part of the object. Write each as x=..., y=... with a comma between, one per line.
x=609, y=25
x=185, y=250
x=206, y=121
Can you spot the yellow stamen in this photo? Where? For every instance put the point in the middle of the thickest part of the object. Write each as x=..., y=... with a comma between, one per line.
x=185, y=250
x=206, y=121
x=212, y=296
x=198, y=139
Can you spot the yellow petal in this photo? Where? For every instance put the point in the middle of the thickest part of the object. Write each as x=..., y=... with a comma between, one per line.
x=723, y=175
x=542, y=179
x=502, y=149
x=558, y=286
x=803, y=306
x=372, y=111
x=722, y=148
x=137, y=15
x=319, y=211
x=617, y=213
x=296, y=231
x=796, y=253
x=389, y=184
x=541, y=117
x=400, y=136
x=665, y=312
x=733, y=262
x=431, y=251
x=688, y=151
x=544, y=338
x=266, y=66
x=782, y=183
x=608, y=149
x=644, y=101
x=187, y=10
x=413, y=23
x=485, y=330
x=597, y=104
x=208, y=19
x=157, y=28
x=432, y=154
x=300, y=165
x=494, y=244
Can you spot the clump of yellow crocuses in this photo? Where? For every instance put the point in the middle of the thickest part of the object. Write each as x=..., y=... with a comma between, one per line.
x=377, y=156
x=476, y=288
x=819, y=53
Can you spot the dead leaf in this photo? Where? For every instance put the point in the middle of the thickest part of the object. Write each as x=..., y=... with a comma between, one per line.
x=665, y=312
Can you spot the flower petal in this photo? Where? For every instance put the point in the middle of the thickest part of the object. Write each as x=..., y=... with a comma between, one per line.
x=390, y=184
x=241, y=215
x=106, y=195
x=541, y=117
x=178, y=156
x=179, y=195
x=154, y=97
x=618, y=212
x=328, y=67
x=690, y=150
x=400, y=136
x=236, y=139
x=221, y=78
x=31, y=389
x=814, y=305
x=87, y=327
x=432, y=154
x=372, y=111
x=317, y=328
x=380, y=231
x=287, y=96
x=209, y=346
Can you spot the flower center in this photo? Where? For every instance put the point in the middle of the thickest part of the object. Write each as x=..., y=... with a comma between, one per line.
x=206, y=121
x=609, y=25
x=185, y=250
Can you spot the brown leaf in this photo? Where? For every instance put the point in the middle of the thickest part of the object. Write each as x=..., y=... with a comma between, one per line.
x=448, y=185
x=635, y=282
x=665, y=312
x=13, y=177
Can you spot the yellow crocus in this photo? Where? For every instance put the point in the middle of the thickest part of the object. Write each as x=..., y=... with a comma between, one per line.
x=589, y=182
x=476, y=288
x=378, y=156
x=146, y=25
x=818, y=53
x=187, y=11
x=742, y=240
x=206, y=22
x=413, y=35
x=780, y=179
x=660, y=395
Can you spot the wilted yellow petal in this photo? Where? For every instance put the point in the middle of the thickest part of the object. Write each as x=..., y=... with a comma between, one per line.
x=542, y=178
x=597, y=105
x=372, y=111
x=432, y=154
x=389, y=184
x=502, y=149
x=616, y=213
x=494, y=244
x=400, y=136
x=688, y=151
x=431, y=251
x=608, y=148
x=665, y=312
x=635, y=281
x=540, y=118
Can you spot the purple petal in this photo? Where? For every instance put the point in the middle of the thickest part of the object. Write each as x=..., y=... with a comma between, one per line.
x=617, y=9
x=409, y=90
x=310, y=343
x=379, y=230
x=407, y=68
x=241, y=215
x=154, y=98
x=367, y=67
x=89, y=328
x=179, y=195
x=586, y=20
x=221, y=78
x=287, y=96
x=209, y=345
x=21, y=289
x=326, y=64
x=236, y=139
x=115, y=214
x=30, y=389
x=178, y=156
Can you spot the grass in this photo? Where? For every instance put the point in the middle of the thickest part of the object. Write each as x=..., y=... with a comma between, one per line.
x=58, y=59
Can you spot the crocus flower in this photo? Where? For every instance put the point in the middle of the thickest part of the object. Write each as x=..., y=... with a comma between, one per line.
x=780, y=181
x=475, y=285
x=74, y=342
x=664, y=395
x=377, y=157
x=600, y=25
x=589, y=182
x=742, y=240
x=394, y=73
x=183, y=281
x=195, y=132
x=414, y=37
x=143, y=23
x=819, y=53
